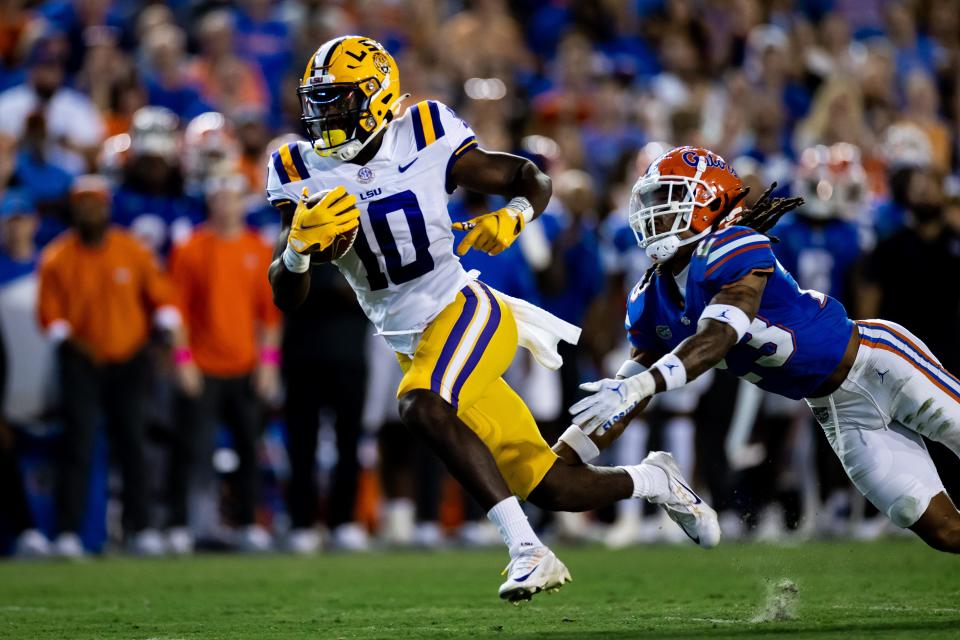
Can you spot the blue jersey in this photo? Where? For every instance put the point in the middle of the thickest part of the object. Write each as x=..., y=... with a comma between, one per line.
x=819, y=255
x=793, y=345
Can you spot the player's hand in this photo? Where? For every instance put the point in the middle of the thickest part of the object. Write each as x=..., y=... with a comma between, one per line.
x=610, y=401
x=320, y=219
x=491, y=232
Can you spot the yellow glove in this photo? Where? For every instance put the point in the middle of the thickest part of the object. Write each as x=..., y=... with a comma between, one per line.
x=494, y=232
x=320, y=219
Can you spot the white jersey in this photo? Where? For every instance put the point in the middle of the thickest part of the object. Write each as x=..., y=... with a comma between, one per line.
x=402, y=265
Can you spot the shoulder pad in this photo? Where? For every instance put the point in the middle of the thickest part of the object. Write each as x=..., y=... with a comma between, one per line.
x=732, y=253
x=287, y=162
x=427, y=124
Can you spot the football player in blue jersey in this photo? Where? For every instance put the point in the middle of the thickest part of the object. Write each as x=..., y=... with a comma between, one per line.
x=717, y=297
x=820, y=244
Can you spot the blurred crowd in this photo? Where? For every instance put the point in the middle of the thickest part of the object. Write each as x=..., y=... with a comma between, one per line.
x=155, y=400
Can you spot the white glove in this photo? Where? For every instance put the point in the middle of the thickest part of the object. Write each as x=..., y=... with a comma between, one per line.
x=611, y=400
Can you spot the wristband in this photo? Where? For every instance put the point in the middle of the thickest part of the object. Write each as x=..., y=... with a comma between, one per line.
x=270, y=355
x=630, y=368
x=673, y=372
x=182, y=355
x=582, y=445
x=295, y=262
x=523, y=207
x=729, y=315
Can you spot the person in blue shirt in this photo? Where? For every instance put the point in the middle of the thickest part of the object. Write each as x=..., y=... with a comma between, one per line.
x=25, y=350
x=717, y=298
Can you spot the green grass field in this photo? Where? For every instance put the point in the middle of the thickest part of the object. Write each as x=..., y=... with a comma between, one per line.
x=879, y=590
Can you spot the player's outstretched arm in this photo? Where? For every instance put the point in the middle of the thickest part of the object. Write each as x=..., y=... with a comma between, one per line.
x=289, y=287
x=506, y=175
x=577, y=447
x=724, y=321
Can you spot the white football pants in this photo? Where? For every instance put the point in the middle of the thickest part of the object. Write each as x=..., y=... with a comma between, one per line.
x=895, y=392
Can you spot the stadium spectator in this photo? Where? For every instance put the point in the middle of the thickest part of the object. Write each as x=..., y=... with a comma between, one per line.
x=100, y=292
x=265, y=40
x=72, y=120
x=226, y=81
x=234, y=339
x=165, y=75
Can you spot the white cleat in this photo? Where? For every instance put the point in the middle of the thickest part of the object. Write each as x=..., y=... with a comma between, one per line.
x=147, y=542
x=253, y=539
x=180, y=541
x=68, y=545
x=31, y=544
x=350, y=536
x=533, y=570
x=685, y=507
x=303, y=541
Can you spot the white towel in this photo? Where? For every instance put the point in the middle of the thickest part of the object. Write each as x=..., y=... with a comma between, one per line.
x=539, y=331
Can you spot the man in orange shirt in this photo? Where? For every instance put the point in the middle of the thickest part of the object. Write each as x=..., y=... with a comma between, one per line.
x=234, y=333
x=100, y=295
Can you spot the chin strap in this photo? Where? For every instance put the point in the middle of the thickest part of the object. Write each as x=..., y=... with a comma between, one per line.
x=665, y=248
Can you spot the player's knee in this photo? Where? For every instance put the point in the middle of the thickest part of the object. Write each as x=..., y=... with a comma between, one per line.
x=905, y=511
x=420, y=409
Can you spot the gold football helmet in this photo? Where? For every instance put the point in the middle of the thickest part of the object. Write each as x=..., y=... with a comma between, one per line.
x=349, y=92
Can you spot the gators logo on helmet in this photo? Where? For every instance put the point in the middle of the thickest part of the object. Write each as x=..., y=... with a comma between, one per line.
x=350, y=90
x=685, y=189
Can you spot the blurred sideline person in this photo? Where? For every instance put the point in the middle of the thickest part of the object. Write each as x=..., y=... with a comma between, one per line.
x=820, y=244
x=930, y=305
x=230, y=366
x=26, y=363
x=454, y=336
x=100, y=294
x=324, y=372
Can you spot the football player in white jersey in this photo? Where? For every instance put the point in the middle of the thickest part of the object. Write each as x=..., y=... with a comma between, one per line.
x=386, y=177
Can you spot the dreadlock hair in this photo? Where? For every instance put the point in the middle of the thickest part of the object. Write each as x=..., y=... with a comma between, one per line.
x=761, y=217
x=765, y=212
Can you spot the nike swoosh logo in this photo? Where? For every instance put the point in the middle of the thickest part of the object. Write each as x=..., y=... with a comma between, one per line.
x=526, y=576
x=403, y=168
x=692, y=492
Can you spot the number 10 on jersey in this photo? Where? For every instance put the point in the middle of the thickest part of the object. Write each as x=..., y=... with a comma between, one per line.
x=377, y=212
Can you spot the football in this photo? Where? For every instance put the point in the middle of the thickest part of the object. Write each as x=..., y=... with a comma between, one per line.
x=341, y=244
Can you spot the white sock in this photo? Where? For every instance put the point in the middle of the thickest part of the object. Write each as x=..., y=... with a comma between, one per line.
x=649, y=482
x=513, y=525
